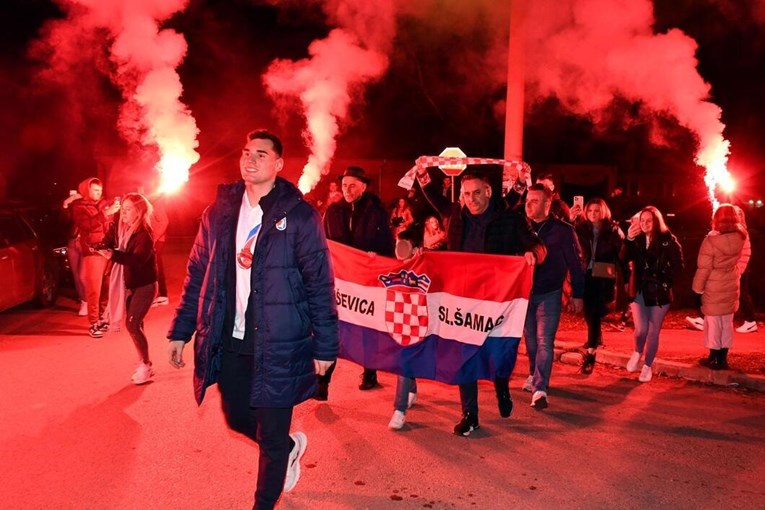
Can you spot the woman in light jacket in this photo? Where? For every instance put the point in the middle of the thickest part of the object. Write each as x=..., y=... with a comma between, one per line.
x=717, y=280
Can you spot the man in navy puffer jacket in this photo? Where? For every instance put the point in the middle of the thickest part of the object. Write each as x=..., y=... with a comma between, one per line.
x=259, y=293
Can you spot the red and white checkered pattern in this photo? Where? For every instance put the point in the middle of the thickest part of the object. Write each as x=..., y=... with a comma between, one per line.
x=406, y=316
x=423, y=162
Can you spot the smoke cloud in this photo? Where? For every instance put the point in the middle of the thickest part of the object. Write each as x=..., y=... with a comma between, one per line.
x=141, y=61
x=333, y=76
x=586, y=52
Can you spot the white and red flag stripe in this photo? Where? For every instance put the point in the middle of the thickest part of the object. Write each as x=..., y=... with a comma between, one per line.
x=452, y=317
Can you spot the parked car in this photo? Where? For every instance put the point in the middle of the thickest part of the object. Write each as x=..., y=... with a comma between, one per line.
x=28, y=271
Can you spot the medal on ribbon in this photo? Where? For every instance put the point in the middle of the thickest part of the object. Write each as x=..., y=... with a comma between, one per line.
x=244, y=257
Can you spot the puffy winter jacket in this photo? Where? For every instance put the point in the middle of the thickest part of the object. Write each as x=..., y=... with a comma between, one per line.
x=295, y=316
x=717, y=276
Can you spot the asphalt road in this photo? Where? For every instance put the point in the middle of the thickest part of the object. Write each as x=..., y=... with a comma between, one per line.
x=75, y=433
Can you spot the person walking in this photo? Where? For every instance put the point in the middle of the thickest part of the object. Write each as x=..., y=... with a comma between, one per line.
x=657, y=260
x=484, y=225
x=601, y=240
x=360, y=221
x=717, y=279
x=564, y=256
x=129, y=244
x=259, y=294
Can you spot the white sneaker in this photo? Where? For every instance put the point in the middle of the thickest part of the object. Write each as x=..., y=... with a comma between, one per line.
x=83, y=312
x=695, y=322
x=529, y=384
x=142, y=374
x=539, y=400
x=632, y=364
x=747, y=327
x=412, y=400
x=646, y=374
x=293, y=465
x=397, y=420
x=160, y=301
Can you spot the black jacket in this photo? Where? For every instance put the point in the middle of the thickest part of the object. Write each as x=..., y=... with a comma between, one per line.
x=369, y=221
x=654, y=268
x=137, y=257
x=507, y=233
x=607, y=249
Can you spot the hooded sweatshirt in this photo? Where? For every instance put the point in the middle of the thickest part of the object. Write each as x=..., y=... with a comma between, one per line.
x=717, y=275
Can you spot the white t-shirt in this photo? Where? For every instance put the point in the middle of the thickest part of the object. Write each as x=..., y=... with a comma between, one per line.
x=250, y=219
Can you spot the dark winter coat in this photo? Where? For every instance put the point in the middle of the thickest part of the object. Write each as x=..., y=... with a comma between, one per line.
x=367, y=216
x=295, y=316
x=607, y=249
x=137, y=257
x=564, y=256
x=654, y=268
x=508, y=232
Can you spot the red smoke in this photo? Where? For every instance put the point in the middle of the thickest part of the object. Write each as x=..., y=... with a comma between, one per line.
x=142, y=60
x=585, y=52
x=338, y=67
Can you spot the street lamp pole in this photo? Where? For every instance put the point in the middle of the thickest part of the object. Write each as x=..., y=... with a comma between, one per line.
x=516, y=61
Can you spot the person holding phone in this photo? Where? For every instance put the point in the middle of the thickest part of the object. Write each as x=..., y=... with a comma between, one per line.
x=601, y=240
x=129, y=244
x=657, y=260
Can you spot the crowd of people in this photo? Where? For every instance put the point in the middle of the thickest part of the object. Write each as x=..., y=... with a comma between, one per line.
x=259, y=292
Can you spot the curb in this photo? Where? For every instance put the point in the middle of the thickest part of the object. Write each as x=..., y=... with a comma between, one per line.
x=570, y=353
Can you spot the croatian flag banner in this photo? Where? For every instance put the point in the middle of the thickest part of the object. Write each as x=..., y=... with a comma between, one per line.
x=452, y=317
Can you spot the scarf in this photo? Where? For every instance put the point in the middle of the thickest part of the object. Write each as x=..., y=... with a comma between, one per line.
x=117, y=293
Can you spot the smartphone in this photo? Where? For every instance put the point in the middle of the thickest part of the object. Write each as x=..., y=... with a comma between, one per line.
x=579, y=201
x=72, y=192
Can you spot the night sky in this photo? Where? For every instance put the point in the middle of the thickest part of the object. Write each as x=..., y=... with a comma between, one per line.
x=443, y=87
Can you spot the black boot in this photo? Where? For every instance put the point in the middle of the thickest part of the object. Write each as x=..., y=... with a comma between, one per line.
x=368, y=379
x=722, y=359
x=504, y=400
x=588, y=363
x=711, y=361
x=467, y=424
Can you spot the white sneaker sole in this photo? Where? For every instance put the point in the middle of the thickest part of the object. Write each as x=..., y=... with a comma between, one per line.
x=301, y=441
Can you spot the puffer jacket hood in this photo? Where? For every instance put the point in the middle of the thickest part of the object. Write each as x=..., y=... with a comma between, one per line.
x=717, y=275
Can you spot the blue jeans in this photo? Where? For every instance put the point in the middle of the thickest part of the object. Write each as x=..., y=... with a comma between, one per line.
x=648, y=321
x=542, y=320
x=404, y=386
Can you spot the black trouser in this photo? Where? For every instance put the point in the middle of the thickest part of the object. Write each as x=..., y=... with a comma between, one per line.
x=159, y=247
x=745, y=299
x=327, y=377
x=595, y=307
x=137, y=304
x=269, y=427
x=469, y=393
